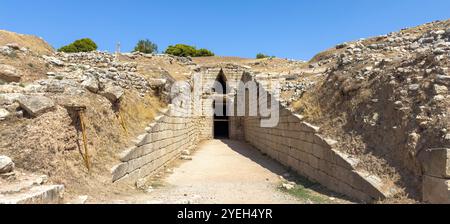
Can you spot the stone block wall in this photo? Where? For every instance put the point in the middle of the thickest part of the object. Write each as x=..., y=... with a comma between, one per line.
x=166, y=138
x=206, y=120
x=298, y=145
x=436, y=178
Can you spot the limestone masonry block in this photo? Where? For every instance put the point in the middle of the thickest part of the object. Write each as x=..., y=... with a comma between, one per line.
x=436, y=162
x=436, y=190
x=139, y=139
x=44, y=194
x=36, y=105
x=119, y=171
x=125, y=155
x=309, y=127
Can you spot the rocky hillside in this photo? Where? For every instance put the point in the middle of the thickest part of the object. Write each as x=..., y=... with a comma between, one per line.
x=40, y=99
x=386, y=99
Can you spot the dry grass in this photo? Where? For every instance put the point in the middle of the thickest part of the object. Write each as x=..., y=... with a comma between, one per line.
x=309, y=107
x=325, y=55
x=138, y=112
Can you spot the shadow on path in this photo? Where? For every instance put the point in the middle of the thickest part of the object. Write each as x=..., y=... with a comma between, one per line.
x=274, y=166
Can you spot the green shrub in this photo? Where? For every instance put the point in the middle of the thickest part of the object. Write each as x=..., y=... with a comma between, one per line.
x=82, y=45
x=183, y=50
x=146, y=46
x=262, y=56
x=204, y=53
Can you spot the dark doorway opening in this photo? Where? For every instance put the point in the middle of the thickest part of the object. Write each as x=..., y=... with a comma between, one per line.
x=221, y=122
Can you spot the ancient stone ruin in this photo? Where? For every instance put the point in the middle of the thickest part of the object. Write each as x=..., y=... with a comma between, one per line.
x=366, y=120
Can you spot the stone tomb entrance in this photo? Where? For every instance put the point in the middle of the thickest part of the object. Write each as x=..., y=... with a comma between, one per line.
x=221, y=123
x=220, y=85
x=221, y=119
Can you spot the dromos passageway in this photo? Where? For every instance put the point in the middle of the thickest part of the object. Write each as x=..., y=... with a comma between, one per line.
x=223, y=171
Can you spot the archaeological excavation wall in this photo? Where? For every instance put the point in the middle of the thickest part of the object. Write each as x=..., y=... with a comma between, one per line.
x=298, y=145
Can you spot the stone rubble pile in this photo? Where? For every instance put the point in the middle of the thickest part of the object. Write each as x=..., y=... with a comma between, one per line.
x=297, y=89
x=72, y=75
x=102, y=68
x=185, y=61
x=12, y=49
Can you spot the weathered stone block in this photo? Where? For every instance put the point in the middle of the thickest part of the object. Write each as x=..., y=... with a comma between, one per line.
x=6, y=165
x=436, y=163
x=318, y=151
x=325, y=142
x=369, y=184
x=126, y=155
x=313, y=161
x=119, y=171
x=292, y=162
x=91, y=84
x=36, y=105
x=44, y=194
x=436, y=190
x=326, y=167
x=344, y=160
x=139, y=139
x=307, y=127
x=9, y=74
x=113, y=93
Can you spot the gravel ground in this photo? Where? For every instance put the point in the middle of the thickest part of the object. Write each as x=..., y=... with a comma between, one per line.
x=221, y=172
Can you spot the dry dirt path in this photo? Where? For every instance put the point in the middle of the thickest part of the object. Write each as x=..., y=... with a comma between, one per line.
x=221, y=172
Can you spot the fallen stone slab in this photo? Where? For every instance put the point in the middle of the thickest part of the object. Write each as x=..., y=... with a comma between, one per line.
x=113, y=93
x=9, y=74
x=36, y=105
x=46, y=194
x=6, y=165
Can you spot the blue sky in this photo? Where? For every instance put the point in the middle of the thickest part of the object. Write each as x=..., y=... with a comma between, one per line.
x=286, y=28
